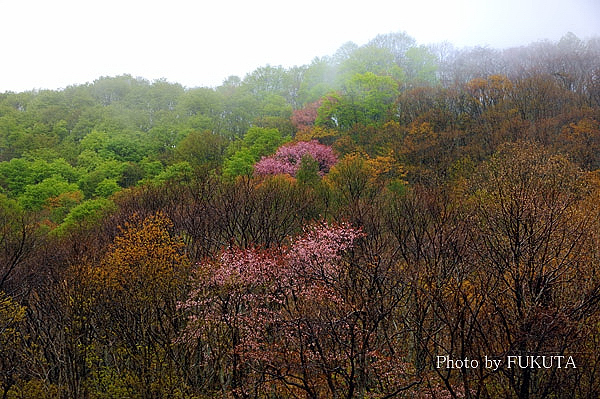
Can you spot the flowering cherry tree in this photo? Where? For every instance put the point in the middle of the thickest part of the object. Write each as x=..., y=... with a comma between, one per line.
x=287, y=321
x=304, y=119
x=288, y=158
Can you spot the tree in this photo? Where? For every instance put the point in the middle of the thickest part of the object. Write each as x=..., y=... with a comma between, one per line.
x=295, y=321
x=318, y=79
x=359, y=178
x=582, y=140
x=369, y=59
x=433, y=237
x=269, y=80
x=288, y=158
x=85, y=215
x=532, y=241
x=202, y=107
x=303, y=119
x=133, y=306
x=257, y=142
x=420, y=66
x=202, y=150
x=366, y=99
x=18, y=240
x=13, y=350
x=397, y=43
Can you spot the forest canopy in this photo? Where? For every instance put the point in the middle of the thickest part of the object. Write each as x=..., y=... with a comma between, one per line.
x=322, y=231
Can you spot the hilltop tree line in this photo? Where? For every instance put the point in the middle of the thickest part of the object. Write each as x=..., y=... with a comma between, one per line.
x=321, y=231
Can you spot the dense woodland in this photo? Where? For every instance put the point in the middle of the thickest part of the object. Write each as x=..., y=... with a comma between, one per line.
x=322, y=231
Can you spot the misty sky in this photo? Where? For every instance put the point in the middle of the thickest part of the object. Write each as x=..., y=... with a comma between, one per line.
x=53, y=44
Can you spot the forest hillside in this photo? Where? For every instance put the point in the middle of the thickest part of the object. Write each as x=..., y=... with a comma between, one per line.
x=392, y=220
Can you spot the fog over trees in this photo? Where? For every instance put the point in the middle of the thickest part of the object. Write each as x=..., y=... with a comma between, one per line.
x=330, y=230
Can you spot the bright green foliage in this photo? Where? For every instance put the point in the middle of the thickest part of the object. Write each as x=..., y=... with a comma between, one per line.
x=178, y=172
x=95, y=141
x=86, y=214
x=376, y=60
x=40, y=169
x=108, y=169
x=45, y=154
x=261, y=141
x=36, y=195
x=421, y=66
x=9, y=129
x=239, y=164
x=120, y=146
x=18, y=173
x=15, y=175
x=257, y=142
x=126, y=129
x=106, y=188
x=125, y=148
x=367, y=100
x=151, y=167
x=309, y=171
x=89, y=160
x=9, y=206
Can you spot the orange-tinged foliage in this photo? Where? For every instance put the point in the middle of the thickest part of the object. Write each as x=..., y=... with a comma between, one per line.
x=317, y=132
x=130, y=297
x=582, y=141
x=144, y=258
x=491, y=91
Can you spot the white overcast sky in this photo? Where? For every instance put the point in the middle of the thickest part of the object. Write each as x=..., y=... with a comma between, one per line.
x=54, y=44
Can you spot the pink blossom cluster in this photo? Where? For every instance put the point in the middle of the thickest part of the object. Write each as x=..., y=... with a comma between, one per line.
x=304, y=118
x=288, y=158
x=319, y=250
x=249, y=267
x=288, y=312
x=261, y=281
x=315, y=254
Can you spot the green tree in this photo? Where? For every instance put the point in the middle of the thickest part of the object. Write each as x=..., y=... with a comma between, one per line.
x=85, y=215
x=106, y=188
x=257, y=142
x=202, y=150
x=36, y=195
x=367, y=99
x=178, y=172
x=396, y=43
x=318, y=79
x=369, y=59
x=420, y=66
x=309, y=171
x=202, y=108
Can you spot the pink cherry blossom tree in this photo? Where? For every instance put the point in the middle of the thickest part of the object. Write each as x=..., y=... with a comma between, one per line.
x=303, y=119
x=293, y=321
x=288, y=158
